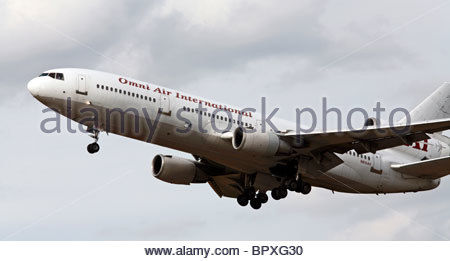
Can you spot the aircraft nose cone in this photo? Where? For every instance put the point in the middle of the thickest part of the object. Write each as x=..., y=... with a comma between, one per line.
x=33, y=87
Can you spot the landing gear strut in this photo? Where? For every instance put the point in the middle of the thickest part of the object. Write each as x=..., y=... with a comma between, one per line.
x=93, y=147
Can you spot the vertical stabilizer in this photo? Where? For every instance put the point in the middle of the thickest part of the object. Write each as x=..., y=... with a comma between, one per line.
x=436, y=106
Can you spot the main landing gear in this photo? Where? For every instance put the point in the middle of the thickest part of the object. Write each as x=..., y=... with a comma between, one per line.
x=93, y=147
x=299, y=186
x=292, y=185
x=256, y=200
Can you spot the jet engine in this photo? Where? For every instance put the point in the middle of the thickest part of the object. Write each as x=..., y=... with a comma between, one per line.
x=177, y=170
x=259, y=144
x=375, y=122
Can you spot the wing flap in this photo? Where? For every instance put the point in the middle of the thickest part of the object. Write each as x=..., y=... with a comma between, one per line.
x=427, y=169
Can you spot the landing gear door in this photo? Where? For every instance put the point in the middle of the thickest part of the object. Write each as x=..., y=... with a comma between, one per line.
x=81, y=82
x=164, y=104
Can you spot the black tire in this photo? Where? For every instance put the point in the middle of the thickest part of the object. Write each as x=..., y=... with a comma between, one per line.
x=292, y=185
x=275, y=195
x=306, y=188
x=242, y=200
x=95, y=147
x=262, y=197
x=283, y=193
x=89, y=149
x=255, y=203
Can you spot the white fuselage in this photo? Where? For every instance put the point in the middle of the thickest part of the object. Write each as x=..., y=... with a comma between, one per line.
x=104, y=92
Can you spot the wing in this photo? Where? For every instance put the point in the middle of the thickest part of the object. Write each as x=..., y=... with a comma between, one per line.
x=322, y=145
x=428, y=169
x=371, y=139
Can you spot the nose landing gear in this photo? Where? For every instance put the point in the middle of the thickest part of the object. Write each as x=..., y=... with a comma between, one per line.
x=93, y=147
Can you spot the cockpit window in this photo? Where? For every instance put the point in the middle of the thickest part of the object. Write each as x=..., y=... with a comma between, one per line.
x=57, y=76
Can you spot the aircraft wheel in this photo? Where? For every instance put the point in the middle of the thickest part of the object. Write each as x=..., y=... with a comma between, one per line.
x=292, y=185
x=93, y=148
x=242, y=200
x=255, y=203
x=275, y=194
x=306, y=188
x=283, y=192
x=262, y=197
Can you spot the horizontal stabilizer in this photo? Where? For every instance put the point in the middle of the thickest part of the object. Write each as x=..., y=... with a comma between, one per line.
x=427, y=169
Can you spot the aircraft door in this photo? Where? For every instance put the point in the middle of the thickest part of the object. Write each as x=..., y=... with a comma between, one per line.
x=376, y=164
x=164, y=104
x=81, y=82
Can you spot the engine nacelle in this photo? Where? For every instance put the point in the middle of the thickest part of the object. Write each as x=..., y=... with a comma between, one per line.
x=259, y=144
x=177, y=170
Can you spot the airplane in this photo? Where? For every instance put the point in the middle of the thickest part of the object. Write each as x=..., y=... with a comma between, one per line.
x=237, y=156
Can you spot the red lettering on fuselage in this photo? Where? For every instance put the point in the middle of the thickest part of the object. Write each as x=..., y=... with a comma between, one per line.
x=134, y=84
x=418, y=146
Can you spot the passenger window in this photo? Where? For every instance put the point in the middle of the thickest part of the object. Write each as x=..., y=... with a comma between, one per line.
x=154, y=100
x=107, y=88
x=120, y=91
x=98, y=86
x=103, y=87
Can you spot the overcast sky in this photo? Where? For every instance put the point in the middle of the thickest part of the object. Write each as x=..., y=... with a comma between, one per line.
x=293, y=52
